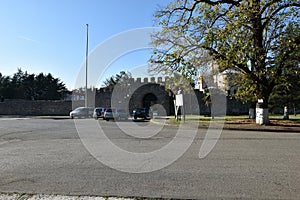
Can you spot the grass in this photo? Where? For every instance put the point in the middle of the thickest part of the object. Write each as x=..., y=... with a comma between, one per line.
x=292, y=117
x=229, y=119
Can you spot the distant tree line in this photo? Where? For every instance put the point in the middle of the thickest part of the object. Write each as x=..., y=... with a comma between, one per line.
x=23, y=85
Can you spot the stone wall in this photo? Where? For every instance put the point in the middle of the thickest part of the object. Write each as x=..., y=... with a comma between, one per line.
x=137, y=94
x=162, y=97
x=236, y=107
x=233, y=107
x=34, y=108
x=140, y=88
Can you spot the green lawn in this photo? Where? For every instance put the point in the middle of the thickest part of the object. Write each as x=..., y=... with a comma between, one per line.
x=291, y=118
x=205, y=119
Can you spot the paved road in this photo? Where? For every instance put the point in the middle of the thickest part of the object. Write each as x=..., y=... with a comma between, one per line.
x=47, y=156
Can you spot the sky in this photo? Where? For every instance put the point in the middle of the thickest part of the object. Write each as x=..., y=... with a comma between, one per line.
x=49, y=36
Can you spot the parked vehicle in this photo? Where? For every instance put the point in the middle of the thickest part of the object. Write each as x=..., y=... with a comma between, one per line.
x=115, y=113
x=141, y=113
x=98, y=113
x=82, y=112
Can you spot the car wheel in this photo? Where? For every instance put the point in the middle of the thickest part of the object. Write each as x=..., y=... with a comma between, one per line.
x=135, y=117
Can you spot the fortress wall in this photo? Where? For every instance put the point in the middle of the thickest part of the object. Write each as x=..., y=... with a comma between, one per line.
x=138, y=89
x=34, y=108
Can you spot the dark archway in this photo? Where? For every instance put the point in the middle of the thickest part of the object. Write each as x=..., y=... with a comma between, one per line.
x=149, y=100
x=149, y=94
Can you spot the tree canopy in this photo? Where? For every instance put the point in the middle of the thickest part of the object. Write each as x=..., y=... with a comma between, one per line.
x=257, y=39
x=31, y=87
x=117, y=79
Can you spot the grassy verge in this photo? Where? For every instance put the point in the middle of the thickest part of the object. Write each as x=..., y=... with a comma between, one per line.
x=231, y=119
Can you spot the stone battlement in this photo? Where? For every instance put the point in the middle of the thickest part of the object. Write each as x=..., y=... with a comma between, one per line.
x=157, y=80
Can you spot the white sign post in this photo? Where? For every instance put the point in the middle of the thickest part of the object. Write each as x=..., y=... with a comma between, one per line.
x=179, y=100
x=178, y=103
x=262, y=114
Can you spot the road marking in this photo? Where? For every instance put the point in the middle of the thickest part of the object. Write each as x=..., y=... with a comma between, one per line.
x=7, y=119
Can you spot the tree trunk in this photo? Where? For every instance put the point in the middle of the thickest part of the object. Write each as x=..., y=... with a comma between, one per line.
x=263, y=89
x=252, y=111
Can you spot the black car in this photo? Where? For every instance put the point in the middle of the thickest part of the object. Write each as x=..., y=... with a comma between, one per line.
x=141, y=113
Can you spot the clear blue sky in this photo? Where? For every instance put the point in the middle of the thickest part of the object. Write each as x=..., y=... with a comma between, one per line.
x=49, y=35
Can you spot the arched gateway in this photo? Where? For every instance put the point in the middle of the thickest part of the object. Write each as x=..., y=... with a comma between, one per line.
x=150, y=94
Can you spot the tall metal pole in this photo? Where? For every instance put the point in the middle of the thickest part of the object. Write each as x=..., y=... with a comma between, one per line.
x=86, y=65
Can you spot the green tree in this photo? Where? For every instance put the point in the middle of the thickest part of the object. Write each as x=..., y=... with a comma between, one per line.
x=48, y=88
x=29, y=87
x=240, y=35
x=117, y=79
x=287, y=91
x=4, y=86
x=32, y=87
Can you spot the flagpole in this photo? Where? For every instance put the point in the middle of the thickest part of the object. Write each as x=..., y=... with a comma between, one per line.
x=86, y=65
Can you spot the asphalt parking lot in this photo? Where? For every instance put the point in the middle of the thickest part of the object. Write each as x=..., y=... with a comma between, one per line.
x=48, y=156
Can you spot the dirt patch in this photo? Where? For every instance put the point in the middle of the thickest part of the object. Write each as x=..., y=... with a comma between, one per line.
x=278, y=125
x=242, y=121
x=284, y=123
x=273, y=122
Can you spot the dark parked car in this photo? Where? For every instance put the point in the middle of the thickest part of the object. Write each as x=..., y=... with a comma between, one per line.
x=82, y=112
x=98, y=113
x=115, y=113
x=141, y=113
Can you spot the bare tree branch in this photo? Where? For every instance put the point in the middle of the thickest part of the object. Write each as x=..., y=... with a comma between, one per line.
x=280, y=8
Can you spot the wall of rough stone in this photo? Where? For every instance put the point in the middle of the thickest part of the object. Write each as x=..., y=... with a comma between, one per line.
x=233, y=107
x=162, y=97
x=139, y=89
x=105, y=97
x=236, y=107
x=34, y=108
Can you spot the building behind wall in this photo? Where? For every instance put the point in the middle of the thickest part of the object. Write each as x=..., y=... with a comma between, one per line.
x=212, y=78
